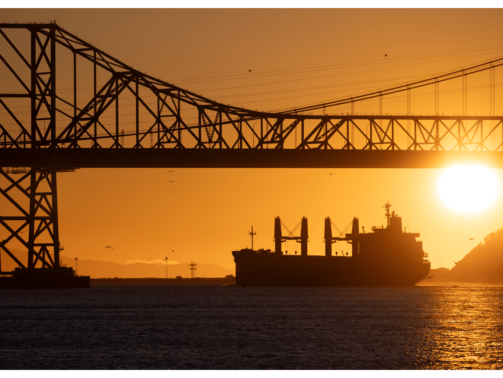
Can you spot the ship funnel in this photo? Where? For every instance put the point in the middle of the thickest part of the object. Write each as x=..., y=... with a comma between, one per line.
x=303, y=237
x=355, y=238
x=277, y=235
x=328, y=237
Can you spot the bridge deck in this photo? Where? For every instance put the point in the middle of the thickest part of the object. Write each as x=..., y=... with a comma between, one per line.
x=201, y=158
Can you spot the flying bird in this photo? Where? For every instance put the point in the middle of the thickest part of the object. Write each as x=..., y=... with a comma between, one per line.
x=170, y=171
x=455, y=262
x=169, y=181
x=332, y=174
x=108, y=247
x=430, y=277
x=470, y=239
x=385, y=55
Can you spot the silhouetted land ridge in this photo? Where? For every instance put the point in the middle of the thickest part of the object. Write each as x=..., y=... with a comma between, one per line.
x=140, y=269
x=106, y=269
x=197, y=280
x=484, y=263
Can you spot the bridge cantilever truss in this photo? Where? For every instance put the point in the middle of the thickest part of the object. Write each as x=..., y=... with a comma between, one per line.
x=173, y=127
x=167, y=117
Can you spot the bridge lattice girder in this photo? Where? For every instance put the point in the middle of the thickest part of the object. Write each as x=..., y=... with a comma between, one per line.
x=169, y=117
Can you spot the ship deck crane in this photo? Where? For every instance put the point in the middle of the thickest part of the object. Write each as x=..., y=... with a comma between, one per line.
x=302, y=239
x=350, y=238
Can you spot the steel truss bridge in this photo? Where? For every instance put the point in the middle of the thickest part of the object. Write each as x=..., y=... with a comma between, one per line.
x=168, y=126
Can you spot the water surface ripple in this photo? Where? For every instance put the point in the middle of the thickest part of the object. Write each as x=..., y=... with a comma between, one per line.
x=155, y=326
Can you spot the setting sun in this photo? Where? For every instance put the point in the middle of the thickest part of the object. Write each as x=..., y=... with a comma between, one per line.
x=468, y=188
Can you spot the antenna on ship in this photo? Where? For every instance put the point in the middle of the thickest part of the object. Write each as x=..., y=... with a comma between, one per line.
x=387, y=206
x=252, y=233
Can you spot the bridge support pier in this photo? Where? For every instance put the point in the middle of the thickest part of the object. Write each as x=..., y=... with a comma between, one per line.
x=29, y=217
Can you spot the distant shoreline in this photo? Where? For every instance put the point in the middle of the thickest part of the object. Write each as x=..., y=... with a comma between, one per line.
x=196, y=280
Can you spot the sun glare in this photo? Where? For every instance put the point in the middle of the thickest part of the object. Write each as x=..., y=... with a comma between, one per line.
x=468, y=188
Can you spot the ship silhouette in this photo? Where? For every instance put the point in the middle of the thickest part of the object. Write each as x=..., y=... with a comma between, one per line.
x=387, y=256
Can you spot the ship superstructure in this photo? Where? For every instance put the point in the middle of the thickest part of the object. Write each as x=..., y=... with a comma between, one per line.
x=386, y=256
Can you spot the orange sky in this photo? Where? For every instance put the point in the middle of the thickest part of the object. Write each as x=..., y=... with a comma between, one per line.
x=206, y=214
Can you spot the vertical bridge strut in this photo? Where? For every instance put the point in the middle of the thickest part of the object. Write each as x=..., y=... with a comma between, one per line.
x=32, y=219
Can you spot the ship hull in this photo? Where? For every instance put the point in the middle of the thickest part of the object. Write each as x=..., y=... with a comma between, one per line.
x=272, y=270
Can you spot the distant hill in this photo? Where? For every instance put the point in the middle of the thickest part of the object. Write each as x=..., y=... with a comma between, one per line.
x=483, y=264
x=105, y=269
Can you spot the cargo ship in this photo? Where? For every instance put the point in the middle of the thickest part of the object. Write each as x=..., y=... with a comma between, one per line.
x=386, y=256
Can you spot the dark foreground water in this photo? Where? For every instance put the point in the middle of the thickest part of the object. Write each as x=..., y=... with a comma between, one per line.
x=121, y=326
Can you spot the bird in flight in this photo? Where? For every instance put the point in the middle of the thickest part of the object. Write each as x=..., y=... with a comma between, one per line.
x=108, y=247
x=331, y=174
x=470, y=239
x=455, y=262
x=170, y=171
x=169, y=181
x=430, y=277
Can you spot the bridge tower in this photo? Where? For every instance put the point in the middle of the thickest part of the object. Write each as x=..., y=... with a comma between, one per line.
x=31, y=216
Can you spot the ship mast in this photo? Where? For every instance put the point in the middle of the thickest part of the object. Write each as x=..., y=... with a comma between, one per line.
x=387, y=206
x=252, y=233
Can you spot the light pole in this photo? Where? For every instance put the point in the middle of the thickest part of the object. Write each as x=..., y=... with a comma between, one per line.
x=166, y=267
x=76, y=263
